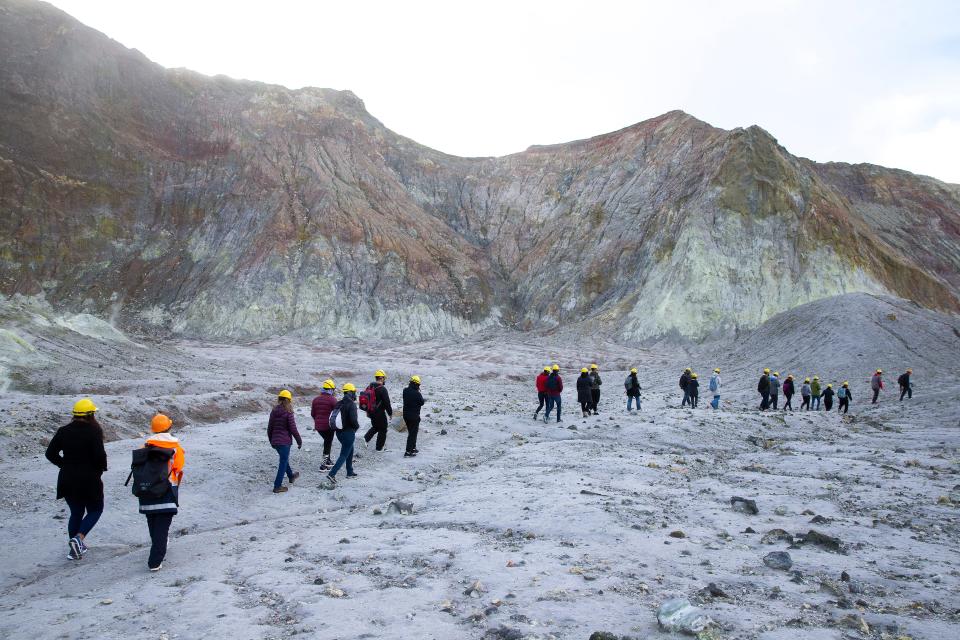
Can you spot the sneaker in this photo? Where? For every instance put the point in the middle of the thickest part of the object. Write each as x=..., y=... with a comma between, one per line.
x=331, y=480
x=535, y=413
x=352, y=475
x=76, y=549
x=293, y=478
x=83, y=548
x=157, y=568
x=279, y=489
x=559, y=420
x=366, y=443
x=415, y=450
x=546, y=418
x=327, y=462
x=596, y=413
x=410, y=454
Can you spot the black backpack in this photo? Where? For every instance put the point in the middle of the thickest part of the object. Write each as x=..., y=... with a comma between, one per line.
x=150, y=470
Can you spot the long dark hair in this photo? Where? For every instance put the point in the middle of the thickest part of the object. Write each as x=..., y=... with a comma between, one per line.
x=285, y=403
x=94, y=426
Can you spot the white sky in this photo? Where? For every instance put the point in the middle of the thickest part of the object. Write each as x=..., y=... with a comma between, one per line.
x=856, y=81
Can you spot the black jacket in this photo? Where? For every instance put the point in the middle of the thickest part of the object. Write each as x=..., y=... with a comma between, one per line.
x=584, y=388
x=764, y=385
x=348, y=413
x=632, y=386
x=828, y=394
x=904, y=380
x=412, y=401
x=693, y=387
x=383, y=407
x=684, y=380
x=82, y=462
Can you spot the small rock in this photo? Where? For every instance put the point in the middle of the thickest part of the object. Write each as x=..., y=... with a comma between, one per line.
x=677, y=534
x=744, y=505
x=401, y=507
x=377, y=511
x=678, y=614
x=443, y=432
x=344, y=541
x=822, y=540
x=318, y=581
x=844, y=576
x=820, y=520
x=334, y=592
x=778, y=560
x=749, y=530
x=504, y=633
x=475, y=590
x=713, y=591
x=106, y=601
x=780, y=511
x=776, y=535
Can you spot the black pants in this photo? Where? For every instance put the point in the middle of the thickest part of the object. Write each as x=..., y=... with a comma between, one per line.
x=327, y=441
x=84, y=514
x=378, y=427
x=828, y=404
x=595, y=396
x=907, y=390
x=159, y=526
x=805, y=403
x=694, y=400
x=542, y=397
x=765, y=401
x=789, y=403
x=585, y=406
x=774, y=401
x=843, y=405
x=876, y=393
x=413, y=427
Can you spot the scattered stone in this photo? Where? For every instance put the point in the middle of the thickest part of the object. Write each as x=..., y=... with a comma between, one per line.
x=780, y=511
x=844, y=576
x=443, y=432
x=820, y=520
x=823, y=540
x=778, y=560
x=828, y=585
x=334, y=592
x=401, y=507
x=763, y=443
x=776, y=535
x=855, y=587
x=446, y=606
x=807, y=512
x=377, y=511
x=744, y=505
x=344, y=541
x=749, y=530
x=713, y=591
x=318, y=581
x=475, y=590
x=677, y=534
x=106, y=601
x=678, y=614
x=504, y=633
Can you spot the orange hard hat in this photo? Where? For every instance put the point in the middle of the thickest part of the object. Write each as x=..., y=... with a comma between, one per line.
x=160, y=423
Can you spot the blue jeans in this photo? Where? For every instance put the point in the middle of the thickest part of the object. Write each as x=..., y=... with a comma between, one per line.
x=715, y=403
x=630, y=400
x=284, y=466
x=553, y=401
x=83, y=515
x=815, y=403
x=346, y=438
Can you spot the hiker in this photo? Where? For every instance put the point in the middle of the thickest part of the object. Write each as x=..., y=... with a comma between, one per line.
x=320, y=410
x=281, y=432
x=693, y=390
x=376, y=402
x=684, y=379
x=844, y=396
x=788, y=393
x=763, y=388
x=816, y=394
x=632, y=385
x=77, y=449
x=541, y=383
x=412, y=401
x=827, y=395
x=160, y=510
x=906, y=387
x=595, y=383
x=805, y=393
x=876, y=383
x=775, y=390
x=554, y=389
x=715, y=383
x=346, y=413
x=585, y=392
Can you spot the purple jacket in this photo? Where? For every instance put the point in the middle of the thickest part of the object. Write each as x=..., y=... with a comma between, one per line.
x=282, y=428
x=320, y=410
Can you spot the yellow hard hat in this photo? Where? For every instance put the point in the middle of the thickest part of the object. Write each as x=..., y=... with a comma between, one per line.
x=909, y=370
x=84, y=407
x=415, y=379
x=380, y=373
x=766, y=370
x=583, y=370
x=717, y=370
x=829, y=386
x=693, y=375
x=160, y=423
x=556, y=367
x=846, y=384
x=593, y=366
x=879, y=370
x=687, y=369
x=329, y=384
x=816, y=377
x=806, y=379
x=349, y=387
x=776, y=373
x=547, y=368
x=634, y=370
x=285, y=394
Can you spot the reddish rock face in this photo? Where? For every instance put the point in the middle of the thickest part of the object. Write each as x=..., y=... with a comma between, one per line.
x=219, y=208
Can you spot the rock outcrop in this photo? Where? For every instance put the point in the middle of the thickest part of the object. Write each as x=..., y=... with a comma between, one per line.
x=216, y=208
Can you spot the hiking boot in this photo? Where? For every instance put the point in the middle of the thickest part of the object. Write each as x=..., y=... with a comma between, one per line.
x=410, y=454
x=327, y=462
x=279, y=489
x=76, y=549
x=293, y=478
x=415, y=450
x=352, y=475
x=156, y=568
x=595, y=412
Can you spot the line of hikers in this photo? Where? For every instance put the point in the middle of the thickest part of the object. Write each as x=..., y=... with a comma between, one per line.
x=549, y=385
x=156, y=469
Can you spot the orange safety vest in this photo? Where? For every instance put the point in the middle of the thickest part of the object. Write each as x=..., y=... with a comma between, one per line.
x=167, y=441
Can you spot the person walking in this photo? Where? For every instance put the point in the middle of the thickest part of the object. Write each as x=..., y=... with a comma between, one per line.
x=320, y=410
x=684, y=379
x=595, y=383
x=346, y=412
x=554, y=391
x=775, y=390
x=805, y=393
x=378, y=408
x=828, y=394
x=160, y=510
x=632, y=385
x=906, y=387
x=541, y=383
x=715, y=384
x=788, y=393
x=281, y=432
x=693, y=390
x=763, y=388
x=585, y=392
x=77, y=449
x=412, y=401
x=844, y=396
x=815, y=393
x=876, y=383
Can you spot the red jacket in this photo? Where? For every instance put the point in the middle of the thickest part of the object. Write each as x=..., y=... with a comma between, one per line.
x=320, y=410
x=542, y=382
